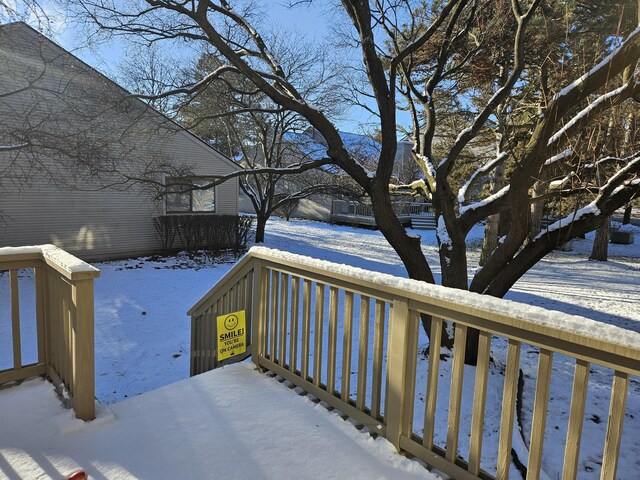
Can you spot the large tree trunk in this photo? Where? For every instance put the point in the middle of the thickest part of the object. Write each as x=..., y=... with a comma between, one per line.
x=261, y=224
x=490, y=241
x=453, y=260
x=600, y=248
x=537, y=211
x=407, y=247
x=491, y=231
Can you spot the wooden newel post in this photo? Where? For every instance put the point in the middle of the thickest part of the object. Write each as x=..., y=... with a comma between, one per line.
x=401, y=365
x=259, y=292
x=83, y=378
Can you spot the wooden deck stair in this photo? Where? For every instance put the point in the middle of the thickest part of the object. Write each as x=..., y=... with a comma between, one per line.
x=423, y=222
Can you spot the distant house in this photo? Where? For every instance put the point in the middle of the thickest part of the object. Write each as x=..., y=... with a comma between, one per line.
x=311, y=145
x=85, y=165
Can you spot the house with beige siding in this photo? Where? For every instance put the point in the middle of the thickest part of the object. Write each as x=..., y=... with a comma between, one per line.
x=87, y=166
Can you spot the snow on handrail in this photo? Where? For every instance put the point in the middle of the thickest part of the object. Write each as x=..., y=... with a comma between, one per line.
x=70, y=266
x=504, y=311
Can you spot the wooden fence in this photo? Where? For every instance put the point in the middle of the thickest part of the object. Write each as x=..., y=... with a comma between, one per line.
x=299, y=310
x=61, y=319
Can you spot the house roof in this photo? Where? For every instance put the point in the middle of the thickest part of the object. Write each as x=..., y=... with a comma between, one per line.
x=314, y=146
x=26, y=27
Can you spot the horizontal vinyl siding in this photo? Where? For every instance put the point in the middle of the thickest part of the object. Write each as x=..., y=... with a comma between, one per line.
x=91, y=225
x=97, y=223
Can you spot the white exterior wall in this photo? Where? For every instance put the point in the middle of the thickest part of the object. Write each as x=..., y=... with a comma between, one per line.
x=83, y=219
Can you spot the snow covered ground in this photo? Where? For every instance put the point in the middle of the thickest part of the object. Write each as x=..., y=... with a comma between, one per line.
x=231, y=423
x=142, y=332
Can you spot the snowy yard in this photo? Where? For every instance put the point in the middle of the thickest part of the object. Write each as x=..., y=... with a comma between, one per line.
x=142, y=333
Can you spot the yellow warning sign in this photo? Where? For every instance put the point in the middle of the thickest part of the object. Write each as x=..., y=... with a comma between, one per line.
x=232, y=335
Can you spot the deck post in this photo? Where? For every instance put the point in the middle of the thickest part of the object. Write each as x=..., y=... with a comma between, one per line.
x=399, y=402
x=258, y=309
x=83, y=375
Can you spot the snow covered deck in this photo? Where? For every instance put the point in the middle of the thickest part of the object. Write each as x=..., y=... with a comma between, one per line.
x=228, y=423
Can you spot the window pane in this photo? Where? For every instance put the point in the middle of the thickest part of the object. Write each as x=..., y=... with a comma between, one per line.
x=179, y=201
x=204, y=200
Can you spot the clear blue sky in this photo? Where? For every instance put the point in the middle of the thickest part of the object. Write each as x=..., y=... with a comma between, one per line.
x=314, y=22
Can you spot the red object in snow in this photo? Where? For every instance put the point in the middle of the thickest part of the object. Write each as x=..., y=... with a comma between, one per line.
x=78, y=475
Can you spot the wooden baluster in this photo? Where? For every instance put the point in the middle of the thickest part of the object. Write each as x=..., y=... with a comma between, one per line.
x=193, y=354
x=538, y=423
x=15, y=319
x=284, y=310
x=614, y=425
x=332, y=347
x=378, y=344
x=209, y=342
x=248, y=305
x=41, y=328
x=293, y=339
x=455, y=396
x=68, y=342
x=508, y=409
x=576, y=420
x=204, y=353
x=53, y=318
x=306, y=327
x=317, y=351
x=347, y=339
x=231, y=295
x=242, y=293
x=363, y=353
x=432, y=382
x=64, y=313
x=211, y=339
x=273, y=320
x=479, y=402
x=210, y=350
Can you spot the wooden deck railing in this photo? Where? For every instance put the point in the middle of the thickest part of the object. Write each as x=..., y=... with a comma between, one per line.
x=365, y=209
x=299, y=309
x=61, y=320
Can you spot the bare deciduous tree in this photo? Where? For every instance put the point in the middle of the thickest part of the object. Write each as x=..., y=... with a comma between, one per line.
x=412, y=52
x=256, y=133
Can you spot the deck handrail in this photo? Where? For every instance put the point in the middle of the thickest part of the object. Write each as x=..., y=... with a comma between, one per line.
x=64, y=318
x=285, y=295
